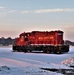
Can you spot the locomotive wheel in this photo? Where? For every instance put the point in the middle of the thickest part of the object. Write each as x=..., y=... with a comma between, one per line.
x=46, y=50
x=28, y=51
x=58, y=52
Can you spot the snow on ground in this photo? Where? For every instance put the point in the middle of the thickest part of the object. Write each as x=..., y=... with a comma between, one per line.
x=4, y=70
x=21, y=63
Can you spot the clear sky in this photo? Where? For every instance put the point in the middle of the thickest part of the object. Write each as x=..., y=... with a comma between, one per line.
x=17, y=16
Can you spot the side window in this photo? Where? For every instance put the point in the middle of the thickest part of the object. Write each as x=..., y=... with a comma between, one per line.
x=26, y=38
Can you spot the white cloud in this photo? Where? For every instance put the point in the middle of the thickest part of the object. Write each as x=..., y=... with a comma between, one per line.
x=2, y=7
x=25, y=12
x=12, y=11
x=7, y=12
x=3, y=13
x=54, y=10
x=48, y=11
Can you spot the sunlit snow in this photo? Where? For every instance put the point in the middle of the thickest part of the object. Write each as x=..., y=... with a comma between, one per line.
x=20, y=63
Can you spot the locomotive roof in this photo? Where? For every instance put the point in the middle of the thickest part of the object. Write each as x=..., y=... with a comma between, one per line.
x=56, y=31
x=48, y=31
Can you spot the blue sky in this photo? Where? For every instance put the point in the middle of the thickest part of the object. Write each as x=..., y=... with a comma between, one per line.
x=17, y=16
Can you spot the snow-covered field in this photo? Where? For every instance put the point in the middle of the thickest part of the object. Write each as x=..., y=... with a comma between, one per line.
x=19, y=63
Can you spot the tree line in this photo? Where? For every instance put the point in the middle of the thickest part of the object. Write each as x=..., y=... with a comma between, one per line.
x=6, y=41
x=69, y=42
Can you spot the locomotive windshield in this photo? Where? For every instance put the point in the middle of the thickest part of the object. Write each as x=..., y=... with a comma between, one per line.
x=26, y=37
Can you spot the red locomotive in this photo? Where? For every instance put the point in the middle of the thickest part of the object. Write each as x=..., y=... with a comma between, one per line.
x=48, y=42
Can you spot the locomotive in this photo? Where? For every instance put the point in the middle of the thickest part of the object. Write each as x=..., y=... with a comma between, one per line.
x=45, y=41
